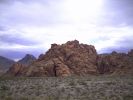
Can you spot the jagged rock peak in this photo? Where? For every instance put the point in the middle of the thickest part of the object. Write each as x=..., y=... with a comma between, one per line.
x=29, y=56
x=28, y=59
x=74, y=42
x=68, y=48
x=54, y=45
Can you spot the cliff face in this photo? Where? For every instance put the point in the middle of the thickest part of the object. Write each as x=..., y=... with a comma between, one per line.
x=73, y=58
x=17, y=69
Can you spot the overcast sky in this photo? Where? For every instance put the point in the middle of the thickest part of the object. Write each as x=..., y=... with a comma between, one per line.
x=30, y=26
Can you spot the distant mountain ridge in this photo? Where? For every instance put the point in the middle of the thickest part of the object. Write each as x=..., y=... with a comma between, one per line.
x=21, y=65
x=28, y=59
x=5, y=63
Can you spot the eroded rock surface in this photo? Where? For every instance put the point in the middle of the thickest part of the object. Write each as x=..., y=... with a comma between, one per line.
x=71, y=58
x=115, y=63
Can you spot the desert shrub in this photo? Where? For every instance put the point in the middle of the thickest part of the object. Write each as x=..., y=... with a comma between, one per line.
x=128, y=97
x=72, y=83
x=8, y=98
x=4, y=88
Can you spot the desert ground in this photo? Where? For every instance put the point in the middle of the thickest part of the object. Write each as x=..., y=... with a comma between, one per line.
x=104, y=87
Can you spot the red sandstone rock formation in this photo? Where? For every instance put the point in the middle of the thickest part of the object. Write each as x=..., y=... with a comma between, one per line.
x=73, y=58
x=67, y=59
x=115, y=63
x=17, y=69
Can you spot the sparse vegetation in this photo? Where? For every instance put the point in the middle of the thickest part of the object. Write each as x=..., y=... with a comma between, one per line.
x=67, y=88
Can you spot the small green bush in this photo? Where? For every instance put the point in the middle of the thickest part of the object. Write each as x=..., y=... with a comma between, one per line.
x=9, y=98
x=4, y=88
x=128, y=97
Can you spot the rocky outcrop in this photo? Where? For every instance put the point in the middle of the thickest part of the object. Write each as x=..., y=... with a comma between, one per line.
x=17, y=69
x=74, y=58
x=71, y=58
x=115, y=63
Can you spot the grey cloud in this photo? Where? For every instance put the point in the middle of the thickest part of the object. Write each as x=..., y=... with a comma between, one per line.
x=24, y=1
x=117, y=49
x=2, y=28
x=123, y=45
x=16, y=39
x=28, y=12
x=98, y=39
x=11, y=2
x=117, y=13
x=126, y=41
x=18, y=54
